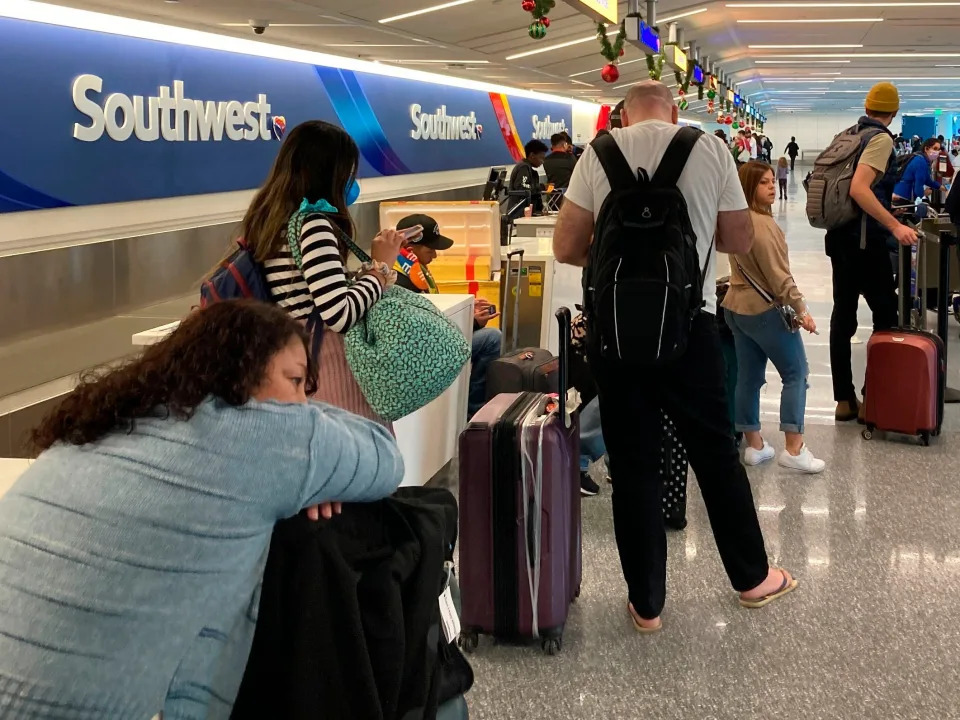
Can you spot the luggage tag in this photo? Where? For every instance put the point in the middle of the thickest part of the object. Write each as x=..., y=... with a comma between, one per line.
x=448, y=616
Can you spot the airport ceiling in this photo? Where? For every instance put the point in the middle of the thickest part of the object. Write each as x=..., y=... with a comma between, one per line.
x=839, y=49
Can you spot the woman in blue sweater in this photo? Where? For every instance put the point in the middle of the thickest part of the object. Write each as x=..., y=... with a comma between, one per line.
x=917, y=176
x=132, y=550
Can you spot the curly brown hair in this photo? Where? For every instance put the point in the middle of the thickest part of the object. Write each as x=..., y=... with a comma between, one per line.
x=222, y=350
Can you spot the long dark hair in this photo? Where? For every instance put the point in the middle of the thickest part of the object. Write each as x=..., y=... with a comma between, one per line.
x=930, y=143
x=222, y=350
x=316, y=161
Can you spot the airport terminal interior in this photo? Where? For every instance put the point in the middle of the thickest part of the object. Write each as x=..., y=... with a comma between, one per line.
x=140, y=130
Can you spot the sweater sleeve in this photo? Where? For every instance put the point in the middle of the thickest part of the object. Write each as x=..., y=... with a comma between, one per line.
x=770, y=253
x=340, y=304
x=351, y=459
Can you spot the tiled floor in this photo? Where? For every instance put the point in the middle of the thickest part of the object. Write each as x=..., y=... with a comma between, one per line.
x=872, y=632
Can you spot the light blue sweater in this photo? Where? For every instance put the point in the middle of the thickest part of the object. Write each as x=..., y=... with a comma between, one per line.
x=130, y=568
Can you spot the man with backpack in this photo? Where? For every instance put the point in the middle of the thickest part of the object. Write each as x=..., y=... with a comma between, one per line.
x=654, y=197
x=849, y=195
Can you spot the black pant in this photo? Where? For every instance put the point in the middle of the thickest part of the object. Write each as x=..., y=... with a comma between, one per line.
x=857, y=272
x=793, y=162
x=691, y=391
x=783, y=187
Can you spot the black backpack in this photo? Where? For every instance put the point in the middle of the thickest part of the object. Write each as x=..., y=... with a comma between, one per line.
x=645, y=284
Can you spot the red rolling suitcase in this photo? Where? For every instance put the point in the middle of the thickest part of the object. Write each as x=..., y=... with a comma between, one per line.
x=520, y=533
x=906, y=379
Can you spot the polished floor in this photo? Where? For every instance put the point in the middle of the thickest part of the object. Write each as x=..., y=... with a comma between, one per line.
x=872, y=632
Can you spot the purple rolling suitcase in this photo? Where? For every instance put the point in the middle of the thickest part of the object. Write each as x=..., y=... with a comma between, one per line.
x=520, y=533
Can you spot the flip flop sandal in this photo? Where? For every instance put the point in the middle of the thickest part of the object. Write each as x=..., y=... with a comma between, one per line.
x=789, y=584
x=640, y=628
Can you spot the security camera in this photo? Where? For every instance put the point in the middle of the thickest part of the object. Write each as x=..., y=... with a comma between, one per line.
x=259, y=27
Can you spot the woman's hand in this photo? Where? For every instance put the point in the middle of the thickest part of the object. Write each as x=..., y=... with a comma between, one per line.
x=386, y=247
x=325, y=510
x=807, y=323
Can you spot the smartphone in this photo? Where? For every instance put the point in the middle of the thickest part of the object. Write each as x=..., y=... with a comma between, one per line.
x=412, y=233
x=492, y=310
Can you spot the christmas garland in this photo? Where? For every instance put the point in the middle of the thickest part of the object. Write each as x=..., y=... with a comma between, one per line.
x=611, y=52
x=655, y=65
x=539, y=9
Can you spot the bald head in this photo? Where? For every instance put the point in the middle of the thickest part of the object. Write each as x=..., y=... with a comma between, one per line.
x=649, y=100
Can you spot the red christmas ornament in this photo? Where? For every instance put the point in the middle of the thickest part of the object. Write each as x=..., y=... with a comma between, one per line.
x=528, y=5
x=610, y=73
x=621, y=52
x=681, y=92
x=728, y=120
x=545, y=20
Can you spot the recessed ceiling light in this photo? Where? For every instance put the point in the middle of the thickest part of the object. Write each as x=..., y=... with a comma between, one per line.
x=671, y=18
x=424, y=11
x=815, y=20
x=797, y=47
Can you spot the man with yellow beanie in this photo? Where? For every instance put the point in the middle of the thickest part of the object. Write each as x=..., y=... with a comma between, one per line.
x=859, y=252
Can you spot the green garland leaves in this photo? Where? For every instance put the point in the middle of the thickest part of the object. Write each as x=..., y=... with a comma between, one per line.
x=655, y=65
x=543, y=8
x=611, y=51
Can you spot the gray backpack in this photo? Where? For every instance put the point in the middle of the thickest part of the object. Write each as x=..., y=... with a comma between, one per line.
x=829, y=204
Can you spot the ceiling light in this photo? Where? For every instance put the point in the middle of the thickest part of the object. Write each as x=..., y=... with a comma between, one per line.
x=441, y=62
x=671, y=18
x=798, y=81
x=826, y=73
x=797, y=47
x=744, y=82
x=840, y=4
x=801, y=62
x=366, y=45
x=424, y=11
x=900, y=55
x=620, y=64
x=816, y=20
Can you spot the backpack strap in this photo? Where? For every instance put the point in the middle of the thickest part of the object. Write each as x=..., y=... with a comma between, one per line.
x=614, y=164
x=675, y=158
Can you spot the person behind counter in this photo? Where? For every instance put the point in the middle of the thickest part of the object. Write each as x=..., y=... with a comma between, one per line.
x=132, y=550
x=916, y=180
x=486, y=341
x=760, y=333
x=559, y=164
x=525, y=177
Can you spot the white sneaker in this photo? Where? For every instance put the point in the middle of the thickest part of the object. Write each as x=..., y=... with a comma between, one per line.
x=753, y=457
x=804, y=462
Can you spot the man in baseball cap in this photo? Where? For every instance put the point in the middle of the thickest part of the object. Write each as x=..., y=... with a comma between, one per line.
x=858, y=250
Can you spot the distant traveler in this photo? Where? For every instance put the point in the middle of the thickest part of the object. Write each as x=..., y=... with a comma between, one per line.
x=577, y=151
x=560, y=162
x=916, y=179
x=861, y=265
x=768, y=149
x=760, y=331
x=689, y=386
x=752, y=144
x=783, y=175
x=526, y=178
x=486, y=341
x=792, y=150
x=132, y=551
x=318, y=161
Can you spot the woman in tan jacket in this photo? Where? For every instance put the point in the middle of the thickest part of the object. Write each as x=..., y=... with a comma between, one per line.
x=760, y=281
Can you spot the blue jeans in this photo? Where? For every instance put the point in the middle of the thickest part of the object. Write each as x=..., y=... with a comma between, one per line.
x=485, y=348
x=759, y=338
x=592, y=447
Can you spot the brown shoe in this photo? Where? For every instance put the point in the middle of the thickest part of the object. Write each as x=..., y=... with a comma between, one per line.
x=847, y=411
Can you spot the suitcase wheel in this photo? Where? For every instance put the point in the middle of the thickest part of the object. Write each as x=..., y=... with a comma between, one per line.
x=552, y=646
x=867, y=433
x=925, y=438
x=577, y=593
x=469, y=641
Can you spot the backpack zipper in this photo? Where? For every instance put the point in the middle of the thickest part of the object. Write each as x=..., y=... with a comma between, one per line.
x=663, y=317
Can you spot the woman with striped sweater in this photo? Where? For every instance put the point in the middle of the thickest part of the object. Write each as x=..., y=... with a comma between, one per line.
x=318, y=161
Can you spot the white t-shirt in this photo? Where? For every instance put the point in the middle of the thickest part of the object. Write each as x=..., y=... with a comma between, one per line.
x=709, y=183
x=753, y=147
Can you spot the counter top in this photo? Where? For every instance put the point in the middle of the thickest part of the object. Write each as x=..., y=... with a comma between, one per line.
x=539, y=220
x=447, y=304
x=10, y=470
x=534, y=249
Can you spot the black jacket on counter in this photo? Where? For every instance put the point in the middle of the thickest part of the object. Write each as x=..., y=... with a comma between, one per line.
x=349, y=624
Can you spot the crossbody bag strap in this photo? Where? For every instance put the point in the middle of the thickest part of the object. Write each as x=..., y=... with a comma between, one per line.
x=614, y=164
x=675, y=158
x=767, y=297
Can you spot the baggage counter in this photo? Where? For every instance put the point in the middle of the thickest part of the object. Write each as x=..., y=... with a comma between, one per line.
x=427, y=438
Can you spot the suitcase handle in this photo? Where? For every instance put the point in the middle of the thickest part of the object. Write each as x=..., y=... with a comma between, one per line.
x=563, y=319
x=506, y=293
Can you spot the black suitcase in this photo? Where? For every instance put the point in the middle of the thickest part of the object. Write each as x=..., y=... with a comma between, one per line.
x=521, y=369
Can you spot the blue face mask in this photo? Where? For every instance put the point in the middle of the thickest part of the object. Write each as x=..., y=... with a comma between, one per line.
x=352, y=191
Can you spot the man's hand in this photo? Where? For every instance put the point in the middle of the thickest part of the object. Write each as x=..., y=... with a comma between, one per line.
x=325, y=510
x=481, y=312
x=905, y=235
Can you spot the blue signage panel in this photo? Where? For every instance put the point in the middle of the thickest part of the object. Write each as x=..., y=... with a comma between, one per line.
x=697, y=75
x=116, y=119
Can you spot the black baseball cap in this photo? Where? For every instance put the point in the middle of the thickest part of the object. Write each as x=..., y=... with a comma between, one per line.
x=431, y=232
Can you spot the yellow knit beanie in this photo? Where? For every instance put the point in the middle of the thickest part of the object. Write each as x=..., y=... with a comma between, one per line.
x=883, y=98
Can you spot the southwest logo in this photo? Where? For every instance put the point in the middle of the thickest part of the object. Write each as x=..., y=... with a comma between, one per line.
x=279, y=126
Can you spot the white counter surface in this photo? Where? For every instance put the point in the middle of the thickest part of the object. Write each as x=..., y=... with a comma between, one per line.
x=427, y=438
x=541, y=220
x=10, y=470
